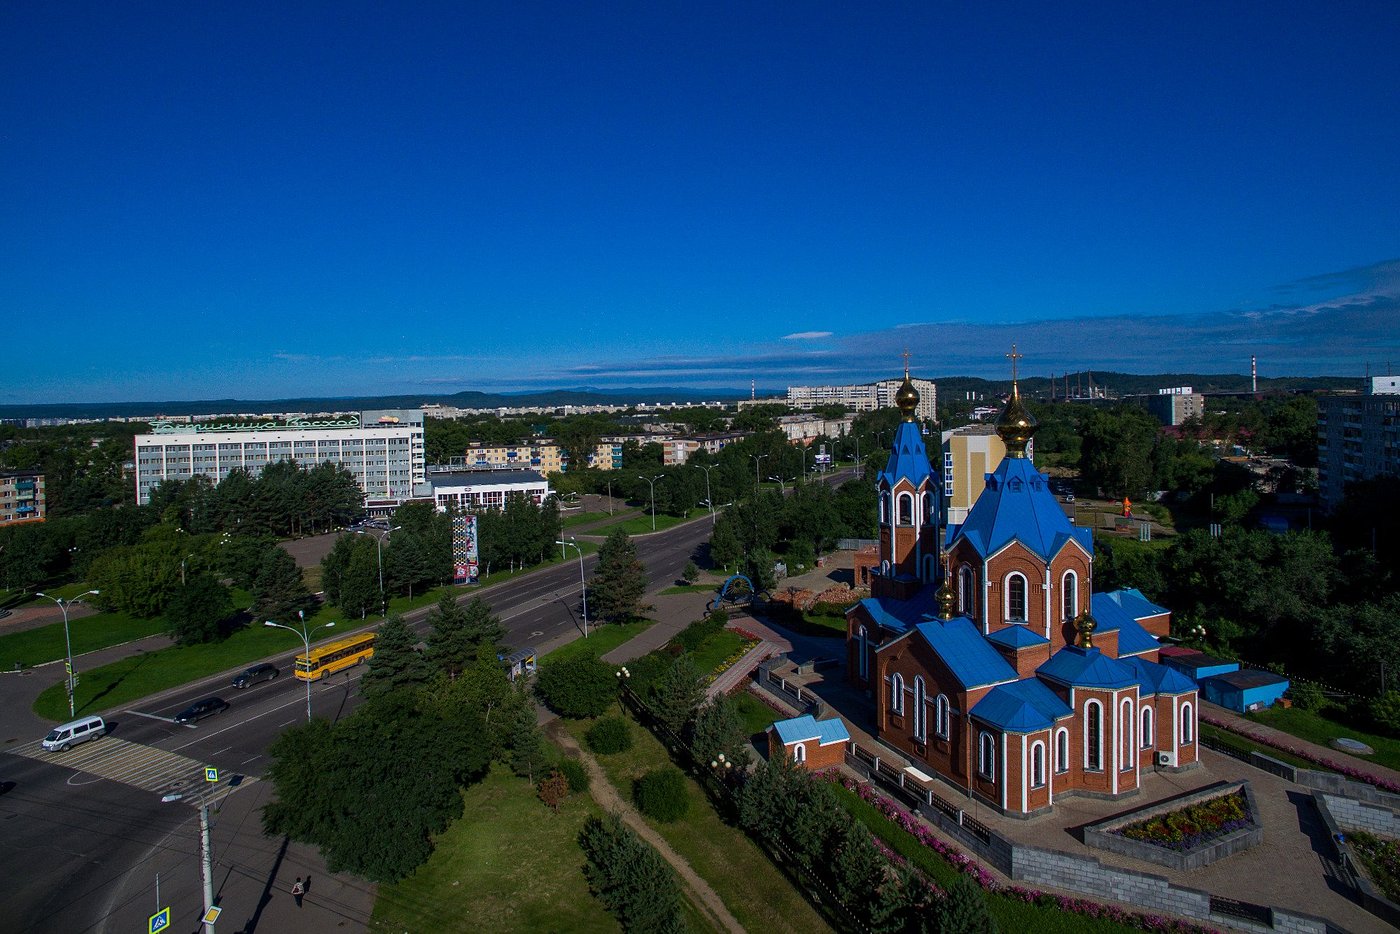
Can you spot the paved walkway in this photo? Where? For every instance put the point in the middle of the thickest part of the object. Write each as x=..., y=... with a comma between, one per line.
x=697, y=889
x=1240, y=724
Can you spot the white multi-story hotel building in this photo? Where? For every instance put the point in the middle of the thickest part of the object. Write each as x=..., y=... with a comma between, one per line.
x=382, y=449
x=865, y=398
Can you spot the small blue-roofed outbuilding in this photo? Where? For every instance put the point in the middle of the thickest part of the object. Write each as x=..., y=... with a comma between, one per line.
x=808, y=742
x=1243, y=691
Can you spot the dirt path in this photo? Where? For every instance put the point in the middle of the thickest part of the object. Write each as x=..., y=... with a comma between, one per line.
x=696, y=888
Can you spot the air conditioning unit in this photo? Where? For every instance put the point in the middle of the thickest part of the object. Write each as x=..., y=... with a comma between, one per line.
x=1166, y=759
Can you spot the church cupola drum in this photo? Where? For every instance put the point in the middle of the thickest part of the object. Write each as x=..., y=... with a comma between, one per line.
x=909, y=509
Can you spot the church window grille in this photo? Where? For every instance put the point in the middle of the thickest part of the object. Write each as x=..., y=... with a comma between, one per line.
x=884, y=507
x=1016, y=597
x=920, y=710
x=1125, y=722
x=966, y=602
x=1037, y=765
x=897, y=693
x=1093, y=736
x=1062, y=750
x=941, y=711
x=987, y=756
x=1188, y=724
x=906, y=509
x=1146, y=730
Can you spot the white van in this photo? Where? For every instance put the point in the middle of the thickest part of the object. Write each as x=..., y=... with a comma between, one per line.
x=74, y=732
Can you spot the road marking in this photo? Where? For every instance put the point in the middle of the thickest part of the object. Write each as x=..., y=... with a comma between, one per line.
x=150, y=716
x=246, y=761
x=134, y=764
x=216, y=752
x=288, y=723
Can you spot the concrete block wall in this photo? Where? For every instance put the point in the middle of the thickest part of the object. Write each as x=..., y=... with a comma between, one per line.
x=1058, y=870
x=1357, y=815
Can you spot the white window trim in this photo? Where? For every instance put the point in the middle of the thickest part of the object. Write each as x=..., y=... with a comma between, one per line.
x=897, y=693
x=942, y=717
x=1127, y=721
x=1069, y=588
x=1061, y=732
x=1044, y=771
x=986, y=756
x=1088, y=765
x=1188, y=724
x=1006, y=598
x=799, y=753
x=920, y=709
x=1145, y=725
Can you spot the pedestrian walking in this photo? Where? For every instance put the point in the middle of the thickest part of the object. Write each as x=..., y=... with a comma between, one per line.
x=298, y=890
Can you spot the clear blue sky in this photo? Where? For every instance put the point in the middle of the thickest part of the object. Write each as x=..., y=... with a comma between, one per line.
x=271, y=199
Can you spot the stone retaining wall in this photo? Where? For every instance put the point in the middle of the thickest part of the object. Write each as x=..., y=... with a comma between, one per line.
x=1341, y=815
x=1101, y=835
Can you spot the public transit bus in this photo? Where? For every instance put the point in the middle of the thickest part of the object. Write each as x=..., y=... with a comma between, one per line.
x=333, y=656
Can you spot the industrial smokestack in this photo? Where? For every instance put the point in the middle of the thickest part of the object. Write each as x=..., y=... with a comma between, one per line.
x=1253, y=374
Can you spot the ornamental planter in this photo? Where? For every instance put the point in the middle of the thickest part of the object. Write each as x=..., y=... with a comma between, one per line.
x=1198, y=844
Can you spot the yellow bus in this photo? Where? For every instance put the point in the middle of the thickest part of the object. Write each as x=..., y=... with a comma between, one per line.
x=333, y=656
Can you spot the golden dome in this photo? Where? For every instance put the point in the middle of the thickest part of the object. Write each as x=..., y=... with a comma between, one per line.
x=947, y=600
x=907, y=398
x=1086, y=624
x=1016, y=425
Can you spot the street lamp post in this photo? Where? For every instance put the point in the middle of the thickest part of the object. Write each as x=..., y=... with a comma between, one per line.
x=582, y=584
x=68, y=639
x=709, y=497
x=182, y=567
x=652, y=484
x=757, y=461
x=306, y=640
x=379, y=547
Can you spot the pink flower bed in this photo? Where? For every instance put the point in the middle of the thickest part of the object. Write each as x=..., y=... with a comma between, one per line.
x=965, y=864
x=1304, y=754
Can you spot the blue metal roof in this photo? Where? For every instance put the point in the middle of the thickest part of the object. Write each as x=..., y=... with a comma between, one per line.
x=1134, y=603
x=1017, y=505
x=966, y=652
x=1112, y=617
x=908, y=457
x=1021, y=707
x=1088, y=668
x=1154, y=678
x=899, y=615
x=1017, y=637
x=805, y=729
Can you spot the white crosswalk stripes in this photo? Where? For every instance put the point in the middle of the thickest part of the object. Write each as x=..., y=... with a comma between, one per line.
x=137, y=765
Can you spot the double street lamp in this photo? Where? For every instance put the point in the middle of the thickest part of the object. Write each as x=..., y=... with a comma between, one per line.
x=757, y=461
x=572, y=543
x=379, y=545
x=306, y=640
x=68, y=639
x=652, y=483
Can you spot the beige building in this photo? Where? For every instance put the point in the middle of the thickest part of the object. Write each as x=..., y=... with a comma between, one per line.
x=866, y=397
x=544, y=455
x=679, y=451
x=1174, y=406
x=21, y=497
x=969, y=454
x=802, y=429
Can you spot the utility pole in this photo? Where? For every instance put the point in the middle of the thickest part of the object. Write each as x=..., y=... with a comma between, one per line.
x=208, y=866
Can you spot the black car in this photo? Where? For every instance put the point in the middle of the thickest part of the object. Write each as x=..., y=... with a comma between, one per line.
x=201, y=709
x=263, y=672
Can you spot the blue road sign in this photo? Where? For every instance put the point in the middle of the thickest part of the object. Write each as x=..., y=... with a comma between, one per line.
x=159, y=921
x=211, y=775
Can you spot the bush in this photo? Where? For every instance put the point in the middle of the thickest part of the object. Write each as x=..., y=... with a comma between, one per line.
x=662, y=795
x=577, y=687
x=1308, y=696
x=1385, y=711
x=609, y=735
x=697, y=632
x=574, y=772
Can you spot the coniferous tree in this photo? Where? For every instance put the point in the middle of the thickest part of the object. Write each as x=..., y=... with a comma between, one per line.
x=719, y=730
x=619, y=580
x=481, y=626
x=630, y=878
x=359, y=585
x=396, y=665
x=526, y=749
x=964, y=910
x=279, y=590
x=449, y=648
x=679, y=694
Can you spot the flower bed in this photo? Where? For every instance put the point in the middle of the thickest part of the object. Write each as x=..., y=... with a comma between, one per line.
x=1381, y=858
x=732, y=660
x=923, y=836
x=1305, y=754
x=1192, y=826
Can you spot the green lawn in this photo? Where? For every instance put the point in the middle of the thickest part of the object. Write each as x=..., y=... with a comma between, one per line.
x=131, y=678
x=1236, y=741
x=46, y=644
x=1321, y=730
x=709, y=654
x=582, y=518
x=757, y=893
x=754, y=713
x=826, y=624
x=601, y=640
x=684, y=588
x=639, y=525
x=507, y=865
x=1010, y=914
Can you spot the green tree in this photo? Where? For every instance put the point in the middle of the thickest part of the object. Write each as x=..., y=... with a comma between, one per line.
x=577, y=687
x=526, y=749
x=964, y=910
x=1116, y=451
x=661, y=794
x=198, y=610
x=630, y=878
x=396, y=664
x=618, y=581
x=691, y=573
x=279, y=590
x=679, y=694
x=719, y=730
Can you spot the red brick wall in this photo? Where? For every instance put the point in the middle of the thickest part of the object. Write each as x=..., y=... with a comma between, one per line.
x=818, y=757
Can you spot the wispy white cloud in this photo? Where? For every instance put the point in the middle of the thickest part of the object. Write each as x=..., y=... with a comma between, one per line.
x=806, y=335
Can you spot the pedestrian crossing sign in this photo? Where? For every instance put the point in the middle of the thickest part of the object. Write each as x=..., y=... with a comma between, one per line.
x=211, y=775
x=159, y=921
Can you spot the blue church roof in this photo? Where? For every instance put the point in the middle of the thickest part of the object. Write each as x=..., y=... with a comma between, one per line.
x=1017, y=505
x=805, y=728
x=1017, y=637
x=899, y=615
x=966, y=652
x=1154, y=678
x=1111, y=616
x=1088, y=668
x=1021, y=707
x=908, y=457
x=1133, y=603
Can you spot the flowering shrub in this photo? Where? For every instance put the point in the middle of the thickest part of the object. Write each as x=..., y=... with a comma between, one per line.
x=732, y=660
x=1304, y=753
x=746, y=634
x=1382, y=860
x=964, y=864
x=1192, y=826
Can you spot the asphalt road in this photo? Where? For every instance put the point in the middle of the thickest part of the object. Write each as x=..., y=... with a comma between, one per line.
x=81, y=845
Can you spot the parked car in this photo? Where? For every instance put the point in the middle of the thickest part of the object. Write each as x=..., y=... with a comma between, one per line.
x=201, y=709
x=257, y=673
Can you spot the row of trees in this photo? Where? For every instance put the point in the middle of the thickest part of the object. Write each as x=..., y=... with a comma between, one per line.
x=372, y=790
x=283, y=500
x=749, y=535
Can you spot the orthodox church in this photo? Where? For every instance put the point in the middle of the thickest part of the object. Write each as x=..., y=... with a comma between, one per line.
x=991, y=660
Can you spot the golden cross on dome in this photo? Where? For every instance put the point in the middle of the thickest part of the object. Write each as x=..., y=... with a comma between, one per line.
x=1013, y=357
x=906, y=362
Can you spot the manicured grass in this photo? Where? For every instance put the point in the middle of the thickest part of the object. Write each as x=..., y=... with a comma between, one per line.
x=132, y=678
x=1010, y=914
x=754, y=713
x=1319, y=729
x=709, y=654
x=601, y=640
x=507, y=865
x=757, y=893
x=1236, y=741
x=582, y=518
x=683, y=588
x=826, y=621
x=640, y=525
x=46, y=644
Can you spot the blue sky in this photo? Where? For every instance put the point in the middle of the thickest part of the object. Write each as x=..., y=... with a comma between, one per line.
x=271, y=199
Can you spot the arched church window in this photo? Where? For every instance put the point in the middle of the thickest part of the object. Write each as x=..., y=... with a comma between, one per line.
x=1146, y=730
x=1062, y=750
x=863, y=647
x=1037, y=765
x=884, y=507
x=906, y=509
x=1188, y=724
x=1125, y=722
x=897, y=693
x=1070, y=587
x=1093, y=736
x=941, y=710
x=987, y=755
x=967, y=604
x=1016, y=597
x=920, y=709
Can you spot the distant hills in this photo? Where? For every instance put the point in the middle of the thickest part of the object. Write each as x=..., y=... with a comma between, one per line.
x=949, y=387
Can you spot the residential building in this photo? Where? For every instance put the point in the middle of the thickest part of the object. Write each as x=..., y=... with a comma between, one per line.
x=382, y=449
x=991, y=663
x=1174, y=406
x=485, y=489
x=1358, y=438
x=866, y=397
x=21, y=496
x=804, y=429
x=543, y=454
x=678, y=451
x=970, y=453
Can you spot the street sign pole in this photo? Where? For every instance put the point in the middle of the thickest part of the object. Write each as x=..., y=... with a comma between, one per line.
x=207, y=864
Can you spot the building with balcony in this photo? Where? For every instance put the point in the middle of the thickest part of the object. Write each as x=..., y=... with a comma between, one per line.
x=544, y=455
x=21, y=497
x=1358, y=438
x=866, y=397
